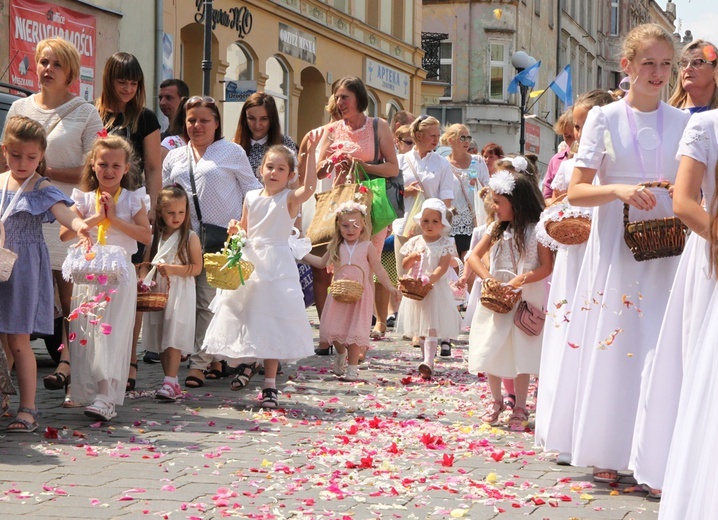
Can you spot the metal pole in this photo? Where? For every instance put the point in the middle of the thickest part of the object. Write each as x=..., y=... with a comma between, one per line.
x=522, y=135
x=207, y=61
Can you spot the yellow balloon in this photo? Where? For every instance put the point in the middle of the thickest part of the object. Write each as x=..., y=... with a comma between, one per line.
x=498, y=13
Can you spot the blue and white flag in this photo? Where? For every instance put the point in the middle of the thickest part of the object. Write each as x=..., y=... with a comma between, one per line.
x=562, y=86
x=526, y=77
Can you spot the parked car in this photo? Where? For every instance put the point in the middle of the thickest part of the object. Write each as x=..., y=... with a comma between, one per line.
x=8, y=94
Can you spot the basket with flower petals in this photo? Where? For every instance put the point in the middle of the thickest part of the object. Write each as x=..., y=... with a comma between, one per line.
x=151, y=296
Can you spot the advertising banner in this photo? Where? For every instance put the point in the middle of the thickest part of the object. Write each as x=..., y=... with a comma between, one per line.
x=32, y=21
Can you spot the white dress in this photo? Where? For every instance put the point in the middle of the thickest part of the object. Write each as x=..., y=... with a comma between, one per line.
x=690, y=486
x=475, y=291
x=437, y=310
x=496, y=345
x=101, y=366
x=619, y=303
x=174, y=326
x=559, y=362
x=265, y=318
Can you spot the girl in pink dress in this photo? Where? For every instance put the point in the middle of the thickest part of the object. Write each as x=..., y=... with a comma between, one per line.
x=347, y=325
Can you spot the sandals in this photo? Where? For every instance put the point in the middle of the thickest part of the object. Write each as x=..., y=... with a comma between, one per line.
x=132, y=381
x=244, y=374
x=379, y=331
x=612, y=477
x=518, y=419
x=58, y=380
x=214, y=374
x=324, y=351
x=269, y=398
x=194, y=381
x=510, y=401
x=445, y=348
x=25, y=426
x=653, y=494
x=491, y=416
x=101, y=411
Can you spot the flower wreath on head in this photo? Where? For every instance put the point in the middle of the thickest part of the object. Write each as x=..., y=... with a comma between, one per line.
x=502, y=182
x=351, y=207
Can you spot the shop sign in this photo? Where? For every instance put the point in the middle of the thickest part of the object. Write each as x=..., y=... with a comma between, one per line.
x=237, y=18
x=238, y=91
x=533, y=138
x=32, y=21
x=297, y=43
x=386, y=78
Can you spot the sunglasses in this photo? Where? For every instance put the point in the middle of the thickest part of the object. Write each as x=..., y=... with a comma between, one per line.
x=407, y=142
x=465, y=138
x=695, y=63
x=195, y=100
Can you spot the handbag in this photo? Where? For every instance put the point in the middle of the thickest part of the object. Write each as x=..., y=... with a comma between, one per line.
x=394, y=185
x=411, y=227
x=211, y=236
x=528, y=318
x=322, y=228
x=382, y=214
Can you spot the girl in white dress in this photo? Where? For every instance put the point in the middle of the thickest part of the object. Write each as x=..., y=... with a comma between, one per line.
x=620, y=302
x=559, y=362
x=496, y=346
x=264, y=320
x=176, y=254
x=427, y=256
x=689, y=487
x=101, y=360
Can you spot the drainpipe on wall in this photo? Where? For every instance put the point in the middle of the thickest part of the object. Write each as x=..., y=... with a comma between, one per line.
x=159, y=55
x=558, y=49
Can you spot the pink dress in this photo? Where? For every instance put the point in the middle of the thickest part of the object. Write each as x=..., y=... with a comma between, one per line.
x=350, y=323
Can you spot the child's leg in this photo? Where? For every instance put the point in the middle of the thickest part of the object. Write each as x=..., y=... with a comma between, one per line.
x=426, y=367
x=522, y=389
x=352, y=370
x=495, y=387
x=171, y=359
x=26, y=367
x=340, y=359
x=510, y=391
x=269, y=389
x=491, y=416
x=170, y=389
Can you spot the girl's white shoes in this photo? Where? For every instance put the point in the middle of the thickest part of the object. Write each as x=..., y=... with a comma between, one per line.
x=340, y=363
x=101, y=410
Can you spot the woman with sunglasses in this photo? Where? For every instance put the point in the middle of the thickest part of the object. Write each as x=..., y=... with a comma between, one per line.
x=470, y=173
x=403, y=140
x=258, y=128
x=222, y=175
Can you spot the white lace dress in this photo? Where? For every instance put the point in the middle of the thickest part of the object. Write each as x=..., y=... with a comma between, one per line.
x=496, y=345
x=174, y=326
x=438, y=310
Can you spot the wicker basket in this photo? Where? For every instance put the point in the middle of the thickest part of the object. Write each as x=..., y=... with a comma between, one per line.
x=498, y=297
x=658, y=238
x=154, y=299
x=413, y=288
x=7, y=257
x=569, y=231
x=227, y=278
x=347, y=291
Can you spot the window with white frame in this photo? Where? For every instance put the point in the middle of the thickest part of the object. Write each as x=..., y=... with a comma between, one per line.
x=372, y=107
x=446, y=67
x=391, y=109
x=498, y=60
x=240, y=67
x=615, y=8
x=446, y=115
x=278, y=86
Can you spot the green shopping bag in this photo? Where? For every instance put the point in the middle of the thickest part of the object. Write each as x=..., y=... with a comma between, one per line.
x=382, y=213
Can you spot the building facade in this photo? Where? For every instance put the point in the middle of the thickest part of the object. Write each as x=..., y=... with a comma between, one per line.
x=295, y=50
x=481, y=37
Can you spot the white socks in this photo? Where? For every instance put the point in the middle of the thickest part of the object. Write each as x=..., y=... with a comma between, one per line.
x=430, y=347
x=270, y=382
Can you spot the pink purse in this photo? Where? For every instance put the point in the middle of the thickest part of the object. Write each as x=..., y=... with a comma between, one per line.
x=529, y=318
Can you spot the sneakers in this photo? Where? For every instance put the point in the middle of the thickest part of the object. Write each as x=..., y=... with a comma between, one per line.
x=151, y=357
x=168, y=392
x=340, y=363
x=269, y=398
x=101, y=410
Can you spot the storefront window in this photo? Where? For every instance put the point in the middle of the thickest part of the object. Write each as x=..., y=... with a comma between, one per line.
x=240, y=68
x=371, y=110
x=278, y=86
x=391, y=109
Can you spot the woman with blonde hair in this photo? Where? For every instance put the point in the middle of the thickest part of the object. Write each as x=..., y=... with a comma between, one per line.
x=71, y=125
x=696, y=89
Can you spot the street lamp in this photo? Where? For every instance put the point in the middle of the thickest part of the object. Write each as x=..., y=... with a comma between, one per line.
x=521, y=61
